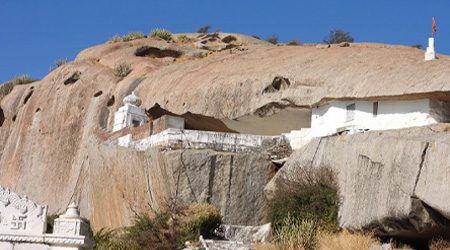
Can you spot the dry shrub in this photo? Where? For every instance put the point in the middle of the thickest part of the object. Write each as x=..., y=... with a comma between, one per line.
x=439, y=244
x=347, y=241
x=132, y=35
x=122, y=69
x=264, y=246
x=297, y=234
x=273, y=39
x=161, y=33
x=200, y=219
x=7, y=87
x=311, y=194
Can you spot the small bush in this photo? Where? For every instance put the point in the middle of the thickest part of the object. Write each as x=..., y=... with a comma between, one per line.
x=338, y=36
x=313, y=196
x=122, y=69
x=200, y=219
x=22, y=79
x=161, y=33
x=7, y=87
x=294, y=42
x=229, y=39
x=183, y=39
x=297, y=234
x=417, y=46
x=166, y=231
x=60, y=62
x=257, y=37
x=204, y=29
x=133, y=35
x=273, y=39
x=115, y=39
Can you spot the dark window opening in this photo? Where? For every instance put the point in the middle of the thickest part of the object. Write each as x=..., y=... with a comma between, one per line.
x=350, y=112
x=136, y=123
x=375, y=109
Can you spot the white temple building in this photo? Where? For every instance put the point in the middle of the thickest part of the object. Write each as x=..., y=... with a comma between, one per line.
x=130, y=113
x=334, y=117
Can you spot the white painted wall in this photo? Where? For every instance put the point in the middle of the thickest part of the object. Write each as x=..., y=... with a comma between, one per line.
x=327, y=118
x=126, y=114
x=195, y=139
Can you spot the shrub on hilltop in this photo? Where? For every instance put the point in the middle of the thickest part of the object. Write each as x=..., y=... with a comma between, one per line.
x=7, y=87
x=273, y=39
x=204, y=29
x=161, y=33
x=338, y=36
x=133, y=35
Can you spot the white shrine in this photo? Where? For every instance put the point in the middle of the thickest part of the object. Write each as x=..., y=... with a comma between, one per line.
x=23, y=226
x=430, y=54
x=130, y=113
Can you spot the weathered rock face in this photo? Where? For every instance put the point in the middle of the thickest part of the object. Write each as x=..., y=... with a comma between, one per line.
x=45, y=126
x=394, y=181
x=126, y=181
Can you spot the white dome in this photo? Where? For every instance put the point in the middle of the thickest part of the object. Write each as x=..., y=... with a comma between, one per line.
x=132, y=100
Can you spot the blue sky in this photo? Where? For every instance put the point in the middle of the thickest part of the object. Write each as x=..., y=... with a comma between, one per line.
x=34, y=34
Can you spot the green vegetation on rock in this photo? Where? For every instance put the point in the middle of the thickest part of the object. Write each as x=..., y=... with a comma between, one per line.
x=122, y=69
x=7, y=87
x=169, y=230
x=161, y=33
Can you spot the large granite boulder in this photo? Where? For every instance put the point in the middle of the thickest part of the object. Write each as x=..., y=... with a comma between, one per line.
x=395, y=182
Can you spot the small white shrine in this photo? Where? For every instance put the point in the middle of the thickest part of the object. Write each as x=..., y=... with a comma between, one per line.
x=430, y=54
x=23, y=226
x=130, y=113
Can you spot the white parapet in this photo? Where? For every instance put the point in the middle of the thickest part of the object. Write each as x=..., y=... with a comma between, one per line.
x=194, y=139
x=23, y=224
x=430, y=54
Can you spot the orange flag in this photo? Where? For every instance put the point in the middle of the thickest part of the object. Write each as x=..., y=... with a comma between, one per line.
x=434, y=27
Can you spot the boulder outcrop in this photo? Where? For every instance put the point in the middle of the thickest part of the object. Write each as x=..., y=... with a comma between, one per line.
x=395, y=182
x=126, y=181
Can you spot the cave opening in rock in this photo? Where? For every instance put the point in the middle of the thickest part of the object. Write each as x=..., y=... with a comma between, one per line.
x=154, y=52
x=111, y=101
x=278, y=83
x=99, y=93
x=73, y=78
x=27, y=97
x=2, y=117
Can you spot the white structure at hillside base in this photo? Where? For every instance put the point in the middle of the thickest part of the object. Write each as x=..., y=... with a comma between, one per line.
x=130, y=113
x=430, y=53
x=23, y=225
x=336, y=117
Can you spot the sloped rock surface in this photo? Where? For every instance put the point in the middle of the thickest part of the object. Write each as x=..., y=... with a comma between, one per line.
x=124, y=182
x=393, y=181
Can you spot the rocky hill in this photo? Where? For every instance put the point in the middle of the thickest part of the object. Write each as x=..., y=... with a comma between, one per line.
x=48, y=150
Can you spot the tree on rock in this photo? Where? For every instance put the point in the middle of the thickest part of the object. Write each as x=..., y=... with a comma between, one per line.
x=338, y=36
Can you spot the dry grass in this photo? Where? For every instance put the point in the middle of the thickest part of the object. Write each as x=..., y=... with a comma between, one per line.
x=439, y=244
x=347, y=241
x=264, y=246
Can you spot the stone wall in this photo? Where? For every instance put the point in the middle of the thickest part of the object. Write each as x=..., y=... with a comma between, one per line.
x=276, y=146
